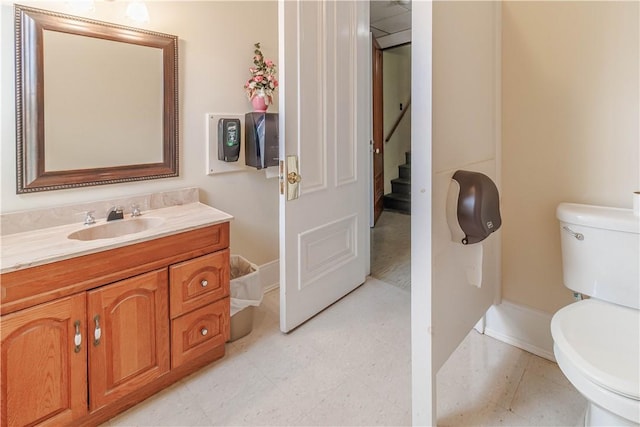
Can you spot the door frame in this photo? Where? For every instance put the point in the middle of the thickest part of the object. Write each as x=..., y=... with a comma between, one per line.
x=423, y=385
x=377, y=131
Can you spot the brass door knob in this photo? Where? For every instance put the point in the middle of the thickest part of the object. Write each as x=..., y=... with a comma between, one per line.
x=293, y=178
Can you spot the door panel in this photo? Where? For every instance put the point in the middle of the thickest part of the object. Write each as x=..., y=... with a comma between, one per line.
x=324, y=121
x=43, y=376
x=455, y=125
x=133, y=349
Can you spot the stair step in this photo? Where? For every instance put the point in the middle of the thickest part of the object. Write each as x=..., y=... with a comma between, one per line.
x=407, y=156
x=405, y=171
x=398, y=202
x=401, y=185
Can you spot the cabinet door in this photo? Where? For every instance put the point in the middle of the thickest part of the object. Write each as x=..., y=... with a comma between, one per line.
x=129, y=332
x=44, y=363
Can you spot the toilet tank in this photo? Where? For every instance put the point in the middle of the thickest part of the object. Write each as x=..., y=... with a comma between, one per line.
x=601, y=252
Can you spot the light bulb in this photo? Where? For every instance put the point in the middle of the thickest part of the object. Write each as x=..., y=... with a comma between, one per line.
x=137, y=11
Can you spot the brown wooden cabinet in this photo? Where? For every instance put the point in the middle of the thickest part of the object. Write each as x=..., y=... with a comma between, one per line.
x=199, y=306
x=80, y=348
x=129, y=335
x=44, y=368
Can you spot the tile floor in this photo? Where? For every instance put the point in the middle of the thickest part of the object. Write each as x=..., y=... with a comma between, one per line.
x=350, y=365
x=391, y=249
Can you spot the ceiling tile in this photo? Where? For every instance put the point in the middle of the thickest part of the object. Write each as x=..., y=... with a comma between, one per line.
x=395, y=23
x=390, y=21
x=378, y=33
x=384, y=9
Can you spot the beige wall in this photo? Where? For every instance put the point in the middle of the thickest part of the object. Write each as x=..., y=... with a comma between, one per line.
x=465, y=135
x=215, y=51
x=570, y=105
x=396, y=76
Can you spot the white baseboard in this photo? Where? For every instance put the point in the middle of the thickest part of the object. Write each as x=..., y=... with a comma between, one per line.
x=522, y=327
x=270, y=275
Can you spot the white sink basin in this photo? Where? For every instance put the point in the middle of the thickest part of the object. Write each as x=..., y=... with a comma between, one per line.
x=117, y=228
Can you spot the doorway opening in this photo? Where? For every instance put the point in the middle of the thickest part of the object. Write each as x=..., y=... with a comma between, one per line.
x=391, y=164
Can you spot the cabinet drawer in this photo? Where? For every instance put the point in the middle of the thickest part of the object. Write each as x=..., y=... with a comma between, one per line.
x=198, y=282
x=200, y=331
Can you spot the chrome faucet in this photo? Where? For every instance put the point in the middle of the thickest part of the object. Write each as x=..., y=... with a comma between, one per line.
x=135, y=210
x=115, y=213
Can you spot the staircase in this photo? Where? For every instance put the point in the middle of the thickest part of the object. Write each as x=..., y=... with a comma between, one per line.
x=399, y=199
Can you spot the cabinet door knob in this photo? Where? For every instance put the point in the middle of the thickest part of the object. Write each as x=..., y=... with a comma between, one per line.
x=204, y=331
x=77, y=339
x=204, y=283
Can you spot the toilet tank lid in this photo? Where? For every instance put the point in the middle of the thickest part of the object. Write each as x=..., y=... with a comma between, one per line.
x=604, y=217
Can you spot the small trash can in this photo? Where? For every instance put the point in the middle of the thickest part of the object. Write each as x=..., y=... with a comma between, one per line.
x=246, y=293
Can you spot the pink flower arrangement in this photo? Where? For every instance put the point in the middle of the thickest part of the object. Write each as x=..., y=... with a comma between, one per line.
x=263, y=80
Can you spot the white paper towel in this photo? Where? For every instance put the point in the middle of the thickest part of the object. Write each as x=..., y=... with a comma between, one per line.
x=474, y=266
x=469, y=258
x=636, y=203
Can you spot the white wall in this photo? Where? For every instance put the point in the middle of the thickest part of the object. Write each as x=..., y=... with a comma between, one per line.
x=570, y=130
x=215, y=51
x=396, y=63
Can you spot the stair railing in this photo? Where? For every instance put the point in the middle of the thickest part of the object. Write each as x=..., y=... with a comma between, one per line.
x=398, y=120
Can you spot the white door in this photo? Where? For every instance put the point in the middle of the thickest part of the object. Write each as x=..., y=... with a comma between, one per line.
x=455, y=125
x=324, y=121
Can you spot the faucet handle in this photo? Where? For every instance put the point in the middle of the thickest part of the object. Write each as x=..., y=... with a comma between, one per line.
x=135, y=210
x=89, y=218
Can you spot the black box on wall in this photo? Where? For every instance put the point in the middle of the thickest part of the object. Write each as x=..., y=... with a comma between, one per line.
x=261, y=140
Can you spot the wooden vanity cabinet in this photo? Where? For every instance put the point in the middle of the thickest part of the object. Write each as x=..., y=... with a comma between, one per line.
x=82, y=358
x=128, y=335
x=44, y=370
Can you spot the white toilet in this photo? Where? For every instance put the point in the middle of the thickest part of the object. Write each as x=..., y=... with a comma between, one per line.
x=597, y=340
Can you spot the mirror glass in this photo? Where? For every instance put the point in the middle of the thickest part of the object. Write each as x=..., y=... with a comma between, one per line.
x=96, y=102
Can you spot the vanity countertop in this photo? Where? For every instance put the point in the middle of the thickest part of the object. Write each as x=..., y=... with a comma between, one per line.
x=43, y=246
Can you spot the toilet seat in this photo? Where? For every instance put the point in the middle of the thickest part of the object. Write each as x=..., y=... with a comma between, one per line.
x=597, y=346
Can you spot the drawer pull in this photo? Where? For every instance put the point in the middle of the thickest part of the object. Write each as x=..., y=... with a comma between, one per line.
x=97, y=332
x=77, y=339
x=204, y=331
x=204, y=283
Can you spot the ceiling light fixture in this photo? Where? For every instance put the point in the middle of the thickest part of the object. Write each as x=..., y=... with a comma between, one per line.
x=81, y=6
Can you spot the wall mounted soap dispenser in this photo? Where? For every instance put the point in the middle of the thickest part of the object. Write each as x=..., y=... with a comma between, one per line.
x=473, y=207
x=229, y=140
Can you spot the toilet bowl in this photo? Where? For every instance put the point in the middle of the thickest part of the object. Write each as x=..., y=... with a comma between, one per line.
x=597, y=347
x=597, y=340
